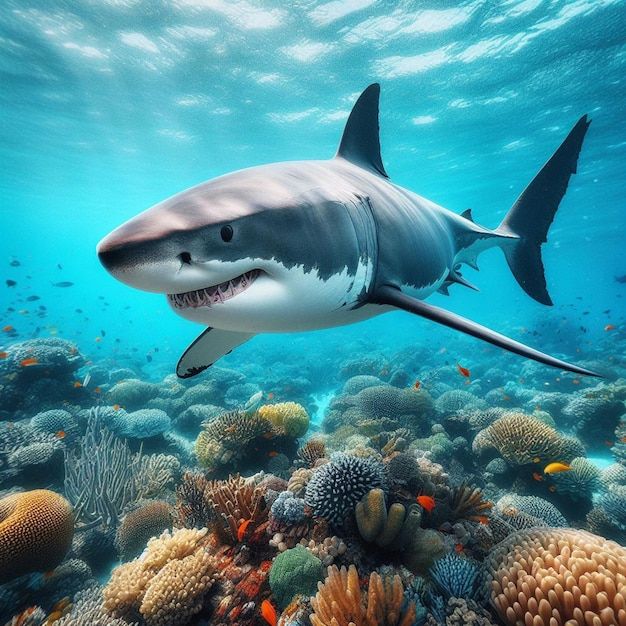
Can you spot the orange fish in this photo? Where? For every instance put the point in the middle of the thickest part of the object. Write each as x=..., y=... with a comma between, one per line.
x=268, y=612
x=623, y=439
x=482, y=519
x=8, y=328
x=609, y=327
x=241, y=531
x=77, y=384
x=30, y=361
x=97, y=390
x=537, y=476
x=60, y=434
x=458, y=548
x=417, y=384
x=116, y=407
x=272, y=454
x=4, y=355
x=426, y=502
x=463, y=370
x=270, y=395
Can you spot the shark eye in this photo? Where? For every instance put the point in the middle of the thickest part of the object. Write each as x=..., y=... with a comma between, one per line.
x=226, y=232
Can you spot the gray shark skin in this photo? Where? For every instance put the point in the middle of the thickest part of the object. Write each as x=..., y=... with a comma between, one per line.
x=305, y=245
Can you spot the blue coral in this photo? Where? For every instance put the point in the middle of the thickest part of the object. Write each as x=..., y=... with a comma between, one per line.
x=287, y=509
x=456, y=576
x=614, y=504
x=336, y=487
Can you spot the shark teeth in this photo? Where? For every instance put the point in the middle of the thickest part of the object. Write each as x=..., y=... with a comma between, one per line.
x=216, y=294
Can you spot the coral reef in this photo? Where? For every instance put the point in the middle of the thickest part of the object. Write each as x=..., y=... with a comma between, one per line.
x=148, y=520
x=295, y=572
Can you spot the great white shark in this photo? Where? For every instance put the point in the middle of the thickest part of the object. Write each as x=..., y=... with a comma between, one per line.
x=306, y=245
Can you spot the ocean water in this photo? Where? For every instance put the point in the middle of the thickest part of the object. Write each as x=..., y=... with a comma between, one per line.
x=109, y=107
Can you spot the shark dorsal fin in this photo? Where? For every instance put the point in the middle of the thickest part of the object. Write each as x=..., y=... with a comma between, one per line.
x=467, y=214
x=360, y=143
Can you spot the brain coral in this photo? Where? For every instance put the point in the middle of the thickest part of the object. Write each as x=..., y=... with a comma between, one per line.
x=36, y=530
x=167, y=584
x=147, y=521
x=289, y=418
x=548, y=577
x=140, y=424
x=335, y=488
x=522, y=439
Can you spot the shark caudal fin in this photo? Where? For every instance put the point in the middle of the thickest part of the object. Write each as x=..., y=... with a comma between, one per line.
x=530, y=217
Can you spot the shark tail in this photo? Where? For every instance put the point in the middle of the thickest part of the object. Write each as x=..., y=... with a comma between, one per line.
x=525, y=227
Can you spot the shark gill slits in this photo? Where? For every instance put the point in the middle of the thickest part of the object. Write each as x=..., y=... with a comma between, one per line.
x=226, y=232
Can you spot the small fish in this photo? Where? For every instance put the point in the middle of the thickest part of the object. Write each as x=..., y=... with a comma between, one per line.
x=268, y=612
x=77, y=384
x=482, y=519
x=30, y=361
x=8, y=328
x=537, y=476
x=463, y=370
x=608, y=443
x=97, y=390
x=59, y=266
x=116, y=407
x=14, y=263
x=270, y=395
x=98, y=339
x=609, y=327
x=4, y=355
x=243, y=527
x=426, y=502
x=417, y=384
x=458, y=548
x=536, y=459
x=63, y=283
x=555, y=468
x=623, y=439
x=10, y=283
x=148, y=358
x=272, y=454
x=60, y=434
x=32, y=298
x=576, y=381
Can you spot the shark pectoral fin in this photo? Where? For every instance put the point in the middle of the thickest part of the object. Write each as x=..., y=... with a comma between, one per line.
x=210, y=346
x=394, y=297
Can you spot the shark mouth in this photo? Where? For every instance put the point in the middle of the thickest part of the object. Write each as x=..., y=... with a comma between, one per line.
x=215, y=294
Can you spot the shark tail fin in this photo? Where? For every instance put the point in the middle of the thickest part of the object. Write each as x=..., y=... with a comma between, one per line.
x=529, y=219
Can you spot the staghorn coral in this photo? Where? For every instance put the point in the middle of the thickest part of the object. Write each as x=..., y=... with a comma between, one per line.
x=456, y=576
x=36, y=530
x=168, y=584
x=580, y=482
x=538, y=508
x=335, y=488
x=522, y=439
x=340, y=602
x=287, y=418
x=311, y=452
x=545, y=576
x=139, y=525
x=294, y=572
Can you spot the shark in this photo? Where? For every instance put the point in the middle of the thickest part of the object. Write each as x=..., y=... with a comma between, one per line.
x=305, y=245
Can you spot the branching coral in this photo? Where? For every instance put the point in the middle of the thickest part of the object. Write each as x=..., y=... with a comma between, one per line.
x=168, y=584
x=36, y=530
x=336, y=487
x=547, y=576
x=340, y=601
x=522, y=439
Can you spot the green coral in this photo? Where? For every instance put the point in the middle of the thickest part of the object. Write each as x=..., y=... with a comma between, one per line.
x=295, y=572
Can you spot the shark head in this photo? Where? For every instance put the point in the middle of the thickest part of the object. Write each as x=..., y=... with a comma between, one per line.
x=260, y=250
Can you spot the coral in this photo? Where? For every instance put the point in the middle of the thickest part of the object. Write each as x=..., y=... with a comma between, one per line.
x=299, y=480
x=538, y=508
x=39, y=453
x=335, y=488
x=609, y=517
x=192, y=508
x=288, y=418
x=462, y=612
x=466, y=502
x=580, y=482
x=132, y=393
x=328, y=550
x=234, y=501
x=353, y=385
x=139, y=525
x=375, y=522
x=87, y=610
x=140, y=424
x=36, y=530
x=294, y=572
x=619, y=449
x=547, y=576
x=497, y=466
x=522, y=439
x=456, y=400
x=456, y=576
x=311, y=452
x=421, y=547
x=168, y=584
x=614, y=474
x=191, y=419
x=155, y=473
x=288, y=509
x=55, y=421
x=100, y=477
x=340, y=602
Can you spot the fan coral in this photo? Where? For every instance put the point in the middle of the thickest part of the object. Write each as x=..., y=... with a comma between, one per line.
x=521, y=439
x=288, y=418
x=340, y=602
x=375, y=522
x=295, y=572
x=456, y=576
x=545, y=576
x=36, y=530
x=538, y=508
x=312, y=451
x=580, y=481
x=167, y=585
x=336, y=487
x=139, y=525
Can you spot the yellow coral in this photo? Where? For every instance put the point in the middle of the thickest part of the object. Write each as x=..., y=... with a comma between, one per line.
x=208, y=450
x=339, y=601
x=36, y=530
x=167, y=583
x=289, y=418
x=549, y=576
